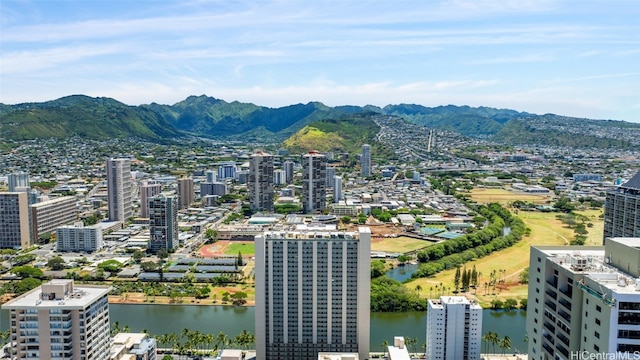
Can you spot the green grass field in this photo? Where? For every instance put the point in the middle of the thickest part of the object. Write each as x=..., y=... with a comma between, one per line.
x=504, y=196
x=546, y=229
x=400, y=244
x=247, y=248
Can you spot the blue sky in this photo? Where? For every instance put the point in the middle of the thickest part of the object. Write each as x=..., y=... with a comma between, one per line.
x=575, y=58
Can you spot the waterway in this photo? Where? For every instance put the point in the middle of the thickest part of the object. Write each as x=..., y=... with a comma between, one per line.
x=402, y=272
x=161, y=319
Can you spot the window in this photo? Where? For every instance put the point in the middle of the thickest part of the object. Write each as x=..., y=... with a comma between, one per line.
x=596, y=348
x=596, y=334
x=597, y=321
x=598, y=308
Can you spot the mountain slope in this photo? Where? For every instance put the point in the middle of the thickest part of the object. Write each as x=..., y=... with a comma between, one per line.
x=346, y=134
x=83, y=116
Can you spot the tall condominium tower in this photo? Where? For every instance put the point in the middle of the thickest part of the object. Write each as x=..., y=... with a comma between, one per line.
x=622, y=210
x=331, y=174
x=312, y=293
x=119, y=187
x=148, y=190
x=163, y=222
x=211, y=175
x=314, y=182
x=365, y=161
x=185, y=193
x=18, y=180
x=337, y=189
x=60, y=321
x=14, y=220
x=46, y=216
x=454, y=329
x=260, y=182
x=288, y=169
x=584, y=300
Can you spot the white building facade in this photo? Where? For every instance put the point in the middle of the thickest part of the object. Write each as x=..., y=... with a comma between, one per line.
x=60, y=321
x=79, y=238
x=312, y=292
x=454, y=329
x=314, y=182
x=260, y=181
x=119, y=189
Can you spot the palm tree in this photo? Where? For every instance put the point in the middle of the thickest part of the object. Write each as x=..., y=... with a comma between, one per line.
x=491, y=338
x=385, y=348
x=418, y=289
x=505, y=343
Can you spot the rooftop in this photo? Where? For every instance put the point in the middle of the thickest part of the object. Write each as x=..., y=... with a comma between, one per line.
x=59, y=294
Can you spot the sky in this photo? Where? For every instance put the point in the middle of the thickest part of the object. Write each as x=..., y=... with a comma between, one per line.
x=568, y=57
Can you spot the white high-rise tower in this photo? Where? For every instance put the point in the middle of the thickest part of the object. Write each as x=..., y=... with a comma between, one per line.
x=119, y=186
x=365, y=161
x=312, y=292
x=314, y=182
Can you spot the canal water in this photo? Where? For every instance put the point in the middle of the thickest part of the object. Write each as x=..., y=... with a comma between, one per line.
x=161, y=319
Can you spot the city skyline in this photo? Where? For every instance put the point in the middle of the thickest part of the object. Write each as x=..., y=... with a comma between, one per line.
x=534, y=56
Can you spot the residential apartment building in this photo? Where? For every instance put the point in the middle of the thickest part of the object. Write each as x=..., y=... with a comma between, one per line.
x=79, y=238
x=14, y=220
x=163, y=223
x=337, y=189
x=314, y=182
x=331, y=174
x=279, y=177
x=17, y=180
x=312, y=292
x=119, y=189
x=133, y=346
x=216, y=188
x=59, y=320
x=227, y=170
x=46, y=216
x=185, y=193
x=260, y=181
x=148, y=190
x=622, y=210
x=211, y=176
x=365, y=161
x=454, y=329
x=288, y=167
x=584, y=299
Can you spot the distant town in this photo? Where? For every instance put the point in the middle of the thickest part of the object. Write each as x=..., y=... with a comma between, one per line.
x=415, y=219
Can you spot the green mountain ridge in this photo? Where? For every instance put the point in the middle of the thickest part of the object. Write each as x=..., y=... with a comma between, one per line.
x=102, y=118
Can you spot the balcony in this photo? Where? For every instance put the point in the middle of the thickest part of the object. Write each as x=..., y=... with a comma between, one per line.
x=550, y=327
x=565, y=303
x=550, y=304
x=552, y=294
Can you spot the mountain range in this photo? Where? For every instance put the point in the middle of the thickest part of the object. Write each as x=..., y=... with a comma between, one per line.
x=103, y=118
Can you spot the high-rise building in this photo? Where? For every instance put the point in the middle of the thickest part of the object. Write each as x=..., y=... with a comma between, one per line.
x=584, y=300
x=227, y=170
x=622, y=210
x=46, y=216
x=79, y=238
x=288, y=169
x=148, y=190
x=331, y=174
x=454, y=329
x=119, y=187
x=279, y=177
x=185, y=193
x=312, y=292
x=314, y=182
x=216, y=188
x=337, y=189
x=163, y=223
x=14, y=220
x=260, y=182
x=211, y=175
x=365, y=161
x=60, y=321
x=17, y=180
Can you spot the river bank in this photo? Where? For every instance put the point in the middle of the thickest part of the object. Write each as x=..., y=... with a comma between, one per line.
x=140, y=298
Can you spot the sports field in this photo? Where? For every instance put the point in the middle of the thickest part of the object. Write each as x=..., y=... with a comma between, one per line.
x=400, y=244
x=504, y=196
x=224, y=248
